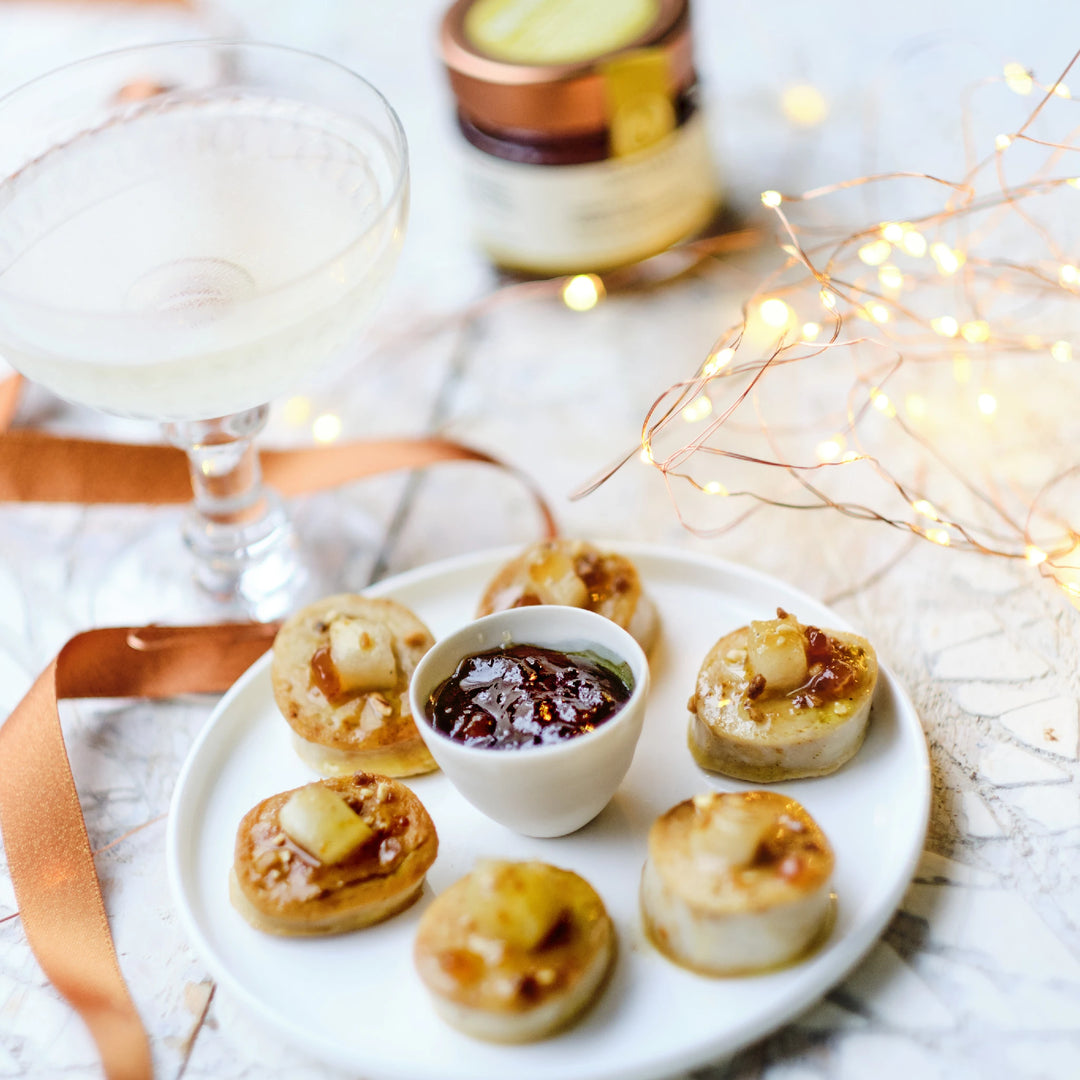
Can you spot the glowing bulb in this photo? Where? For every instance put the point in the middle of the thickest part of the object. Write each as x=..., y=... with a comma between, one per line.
x=810, y=331
x=850, y=456
x=1073, y=181
x=804, y=105
x=975, y=332
x=882, y=403
x=717, y=361
x=914, y=243
x=891, y=277
x=1073, y=588
x=1061, y=351
x=297, y=410
x=714, y=487
x=1018, y=79
x=875, y=253
x=646, y=455
x=878, y=312
x=831, y=449
x=1002, y=142
x=921, y=506
x=775, y=313
x=1062, y=91
x=961, y=366
x=987, y=404
x=1068, y=274
x=326, y=428
x=583, y=292
x=948, y=261
x=1034, y=555
x=915, y=404
x=772, y=198
x=938, y=536
x=946, y=326
x=828, y=301
x=892, y=231
x=698, y=409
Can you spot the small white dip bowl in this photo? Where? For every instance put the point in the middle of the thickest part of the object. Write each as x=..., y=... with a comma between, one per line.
x=547, y=790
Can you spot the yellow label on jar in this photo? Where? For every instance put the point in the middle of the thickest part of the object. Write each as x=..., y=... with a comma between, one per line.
x=640, y=112
x=557, y=31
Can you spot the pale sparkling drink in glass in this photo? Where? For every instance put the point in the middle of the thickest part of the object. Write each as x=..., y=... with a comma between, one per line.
x=186, y=231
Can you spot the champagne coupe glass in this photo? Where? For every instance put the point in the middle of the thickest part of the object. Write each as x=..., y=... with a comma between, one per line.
x=187, y=231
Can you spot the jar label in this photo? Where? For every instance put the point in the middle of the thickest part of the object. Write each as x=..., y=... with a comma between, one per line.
x=640, y=112
x=557, y=31
x=562, y=218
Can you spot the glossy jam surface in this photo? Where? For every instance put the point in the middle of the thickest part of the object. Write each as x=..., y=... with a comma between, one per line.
x=525, y=695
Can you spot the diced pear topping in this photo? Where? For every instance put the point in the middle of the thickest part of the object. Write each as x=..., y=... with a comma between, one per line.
x=323, y=823
x=556, y=581
x=362, y=653
x=726, y=835
x=776, y=650
x=514, y=902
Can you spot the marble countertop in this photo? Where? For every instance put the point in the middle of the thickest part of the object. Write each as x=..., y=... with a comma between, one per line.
x=978, y=973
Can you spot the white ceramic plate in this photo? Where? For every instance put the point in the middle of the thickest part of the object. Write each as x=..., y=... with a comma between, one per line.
x=355, y=1000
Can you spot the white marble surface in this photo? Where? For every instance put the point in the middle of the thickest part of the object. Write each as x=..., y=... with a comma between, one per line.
x=978, y=974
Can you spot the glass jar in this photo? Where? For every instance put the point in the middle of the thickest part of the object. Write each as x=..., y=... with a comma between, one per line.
x=584, y=144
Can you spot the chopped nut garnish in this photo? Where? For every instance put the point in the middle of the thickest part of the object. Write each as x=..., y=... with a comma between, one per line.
x=264, y=859
x=756, y=687
x=389, y=850
x=506, y=986
x=490, y=950
x=791, y=867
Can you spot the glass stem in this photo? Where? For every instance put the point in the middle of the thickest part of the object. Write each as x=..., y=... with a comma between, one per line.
x=237, y=529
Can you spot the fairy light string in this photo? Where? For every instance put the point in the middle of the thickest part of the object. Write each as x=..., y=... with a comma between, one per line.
x=937, y=315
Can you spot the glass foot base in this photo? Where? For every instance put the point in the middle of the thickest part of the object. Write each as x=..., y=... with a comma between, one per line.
x=256, y=571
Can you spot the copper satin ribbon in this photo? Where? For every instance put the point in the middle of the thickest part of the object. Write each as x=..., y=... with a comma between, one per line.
x=48, y=851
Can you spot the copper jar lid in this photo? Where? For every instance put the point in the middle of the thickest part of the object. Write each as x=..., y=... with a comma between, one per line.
x=502, y=84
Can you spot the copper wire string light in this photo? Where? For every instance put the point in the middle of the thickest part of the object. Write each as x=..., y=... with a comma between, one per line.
x=932, y=321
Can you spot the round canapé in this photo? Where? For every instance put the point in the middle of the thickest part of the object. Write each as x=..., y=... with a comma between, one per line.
x=340, y=672
x=736, y=882
x=777, y=700
x=515, y=951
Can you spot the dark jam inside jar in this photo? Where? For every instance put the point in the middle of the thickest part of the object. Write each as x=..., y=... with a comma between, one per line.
x=525, y=695
x=535, y=148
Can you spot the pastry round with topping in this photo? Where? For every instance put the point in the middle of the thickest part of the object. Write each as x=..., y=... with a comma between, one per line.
x=777, y=700
x=575, y=573
x=736, y=883
x=515, y=951
x=332, y=856
x=340, y=672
